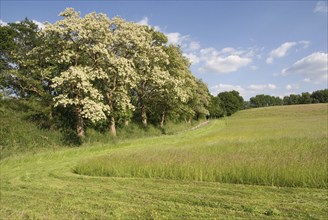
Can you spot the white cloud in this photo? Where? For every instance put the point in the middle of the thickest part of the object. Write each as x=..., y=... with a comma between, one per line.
x=226, y=87
x=305, y=43
x=253, y=67
x=225, y=61
x=260, y=87
x=40, y=24
x=157, y=28
x=321, y=7
x=289, y=87
x=194, y=45
x=2, y=23
x=173, y=38
x=272, y=86
x=280, y=51
x=283, y=49
x=314, y=68
x=194, y=59
x=257, y=87
x=227, y=50
x=209, y=51
x=176, y=38
x=227, y=64
x=143, y=21
x=246, y=92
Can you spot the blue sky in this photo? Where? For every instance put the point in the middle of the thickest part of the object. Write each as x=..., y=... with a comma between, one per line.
x=255, y=47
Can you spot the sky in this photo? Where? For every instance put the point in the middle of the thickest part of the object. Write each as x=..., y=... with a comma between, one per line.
x=254, y=47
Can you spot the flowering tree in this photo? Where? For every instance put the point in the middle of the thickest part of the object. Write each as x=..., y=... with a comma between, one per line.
x=150, y=62
x=105, y=69
x=75, y=46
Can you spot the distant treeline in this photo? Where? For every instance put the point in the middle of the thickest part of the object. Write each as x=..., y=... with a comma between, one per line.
x=319, y=96
x=227, y=103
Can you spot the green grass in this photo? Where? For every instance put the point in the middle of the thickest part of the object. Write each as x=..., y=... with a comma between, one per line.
x=18, y=134
x=23, y=131
x=280, y=146
x=44, y=186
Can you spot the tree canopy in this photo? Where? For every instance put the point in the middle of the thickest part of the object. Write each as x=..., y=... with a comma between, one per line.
x=100, y=70
x=93, y=71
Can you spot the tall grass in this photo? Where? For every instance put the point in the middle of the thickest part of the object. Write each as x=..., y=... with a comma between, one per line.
x=279, y=146
x=18, y=134
x=21, y=133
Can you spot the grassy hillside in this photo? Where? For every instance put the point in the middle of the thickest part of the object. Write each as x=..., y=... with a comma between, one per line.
x=281, y=146
x=19, y=134
x=24, y=129
x=180, y=176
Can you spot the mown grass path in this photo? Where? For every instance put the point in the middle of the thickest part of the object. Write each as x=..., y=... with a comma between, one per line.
x=43, y=186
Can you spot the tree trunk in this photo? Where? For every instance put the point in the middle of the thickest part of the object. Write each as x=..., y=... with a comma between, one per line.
x=126, y=122
x=112, y=128
x=162, y=119
x=144, y=116
x=79, y=123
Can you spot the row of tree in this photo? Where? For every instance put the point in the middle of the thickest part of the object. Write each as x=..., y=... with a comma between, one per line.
x=93, y=70
x=319, y=96
x=227, y=103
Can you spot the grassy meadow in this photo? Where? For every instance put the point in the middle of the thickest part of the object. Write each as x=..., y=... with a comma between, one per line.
x=282, y=146
x=266, y=163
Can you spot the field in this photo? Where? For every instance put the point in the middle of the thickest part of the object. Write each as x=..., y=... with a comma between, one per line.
x=260, y=163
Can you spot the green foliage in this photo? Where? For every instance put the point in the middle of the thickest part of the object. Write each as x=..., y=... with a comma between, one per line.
x=265, y=100
x=7, y=45
x=22, y=129
x=292, y=99
x=100, y=70
x=19, y=75
x=230, y=102
x=106, y=72
x=215, y=109
x=320, y=96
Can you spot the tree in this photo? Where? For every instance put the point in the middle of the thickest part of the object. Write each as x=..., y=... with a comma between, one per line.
x=292, y=99
x=121, y=39
x=265, y=100
x=320, y=96
x=231, y=102
x=170, y=99
x=73, y=46
x=18, y=73
x=149, y=63
x=21, y=71
x=200, y=100
x=7, y=44
x=93, y=69
x=305, y=98
x=215, y=110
